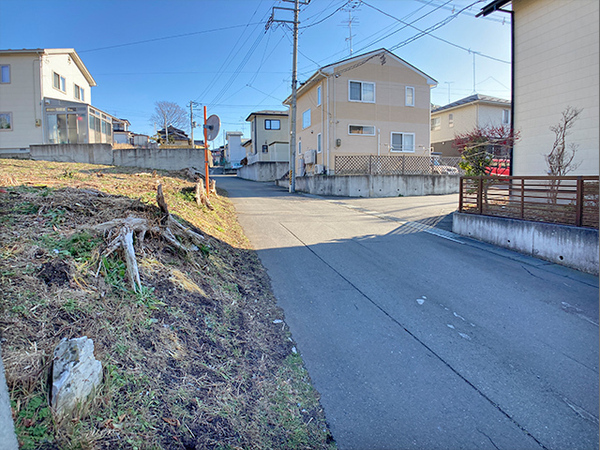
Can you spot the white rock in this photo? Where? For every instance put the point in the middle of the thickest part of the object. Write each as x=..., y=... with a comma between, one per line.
x=75, y=374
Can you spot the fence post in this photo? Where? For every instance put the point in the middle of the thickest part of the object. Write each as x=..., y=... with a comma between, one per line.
x=522, y=198
x=460, y=196
x=480, y=194
x=579, y=203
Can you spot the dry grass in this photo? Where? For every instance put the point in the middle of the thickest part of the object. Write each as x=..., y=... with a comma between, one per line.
x=193, y=361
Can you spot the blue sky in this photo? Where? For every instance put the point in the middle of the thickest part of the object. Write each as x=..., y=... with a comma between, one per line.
x=217, y=53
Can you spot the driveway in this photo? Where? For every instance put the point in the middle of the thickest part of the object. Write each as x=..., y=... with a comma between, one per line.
x=418, y=338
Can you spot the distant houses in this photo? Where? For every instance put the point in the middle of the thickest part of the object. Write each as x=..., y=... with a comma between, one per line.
x=464, y=115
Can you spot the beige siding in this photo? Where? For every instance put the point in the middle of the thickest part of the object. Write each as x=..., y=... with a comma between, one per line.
x=387, y=114
x=21, y=98
x=556, y=64
x=466, y=118
x=270, y=138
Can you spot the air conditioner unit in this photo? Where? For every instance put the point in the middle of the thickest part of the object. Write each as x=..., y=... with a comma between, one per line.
x=318, y=169
x=310, y=157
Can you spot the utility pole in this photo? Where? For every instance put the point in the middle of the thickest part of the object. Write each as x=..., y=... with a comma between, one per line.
x=295, y=22
x=192, y=123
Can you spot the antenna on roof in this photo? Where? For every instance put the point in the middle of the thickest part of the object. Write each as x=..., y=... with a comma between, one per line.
x=352, y=5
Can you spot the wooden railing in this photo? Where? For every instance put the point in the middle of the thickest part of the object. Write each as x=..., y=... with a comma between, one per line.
x=569, y=200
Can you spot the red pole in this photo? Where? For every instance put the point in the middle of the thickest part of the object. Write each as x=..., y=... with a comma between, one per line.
x=206, y=155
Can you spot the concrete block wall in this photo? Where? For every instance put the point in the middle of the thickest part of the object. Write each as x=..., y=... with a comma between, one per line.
x=569, y=246
x=378, y=185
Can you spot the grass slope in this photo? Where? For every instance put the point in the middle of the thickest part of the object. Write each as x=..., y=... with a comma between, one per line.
x=201, y=358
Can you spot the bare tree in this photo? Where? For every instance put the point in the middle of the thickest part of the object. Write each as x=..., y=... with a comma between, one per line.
x=169, y=114
x=560, y=159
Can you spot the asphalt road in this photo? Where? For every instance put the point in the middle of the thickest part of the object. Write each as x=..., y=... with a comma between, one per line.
x=418, y=338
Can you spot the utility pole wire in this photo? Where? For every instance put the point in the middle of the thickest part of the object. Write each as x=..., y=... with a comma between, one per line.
x=433, y=28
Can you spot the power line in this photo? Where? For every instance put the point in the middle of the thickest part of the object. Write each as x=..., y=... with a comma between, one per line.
x=175, y=36
x=387, y=35
x=324, y=19
x=231, y=55
x=429, y=30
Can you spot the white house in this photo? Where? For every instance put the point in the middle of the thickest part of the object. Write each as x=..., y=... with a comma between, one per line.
x=45, y=98
x=555, y=65
x=464, y=115
x=234, y=152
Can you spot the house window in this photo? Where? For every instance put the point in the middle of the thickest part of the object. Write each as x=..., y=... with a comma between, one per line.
x=59, y=82
x=360, y=91
x=5, y=74
x=403, y=142
x=366, y=130
x=318, y=95
x=272, y=124
x=436, y=123
x=410, y=96
x=306, y=119
x=451, y=120
x=6, y=121
x=319, y=145
x=506, y=116
x=78, y=93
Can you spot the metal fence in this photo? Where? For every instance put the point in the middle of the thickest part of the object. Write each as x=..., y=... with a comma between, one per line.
x=569, y=200
x=395, y=165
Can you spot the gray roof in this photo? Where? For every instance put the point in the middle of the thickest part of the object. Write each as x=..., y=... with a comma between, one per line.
x=267, y=112
x=472, y=99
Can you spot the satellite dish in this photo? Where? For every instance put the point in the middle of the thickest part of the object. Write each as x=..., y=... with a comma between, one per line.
x=213, y=124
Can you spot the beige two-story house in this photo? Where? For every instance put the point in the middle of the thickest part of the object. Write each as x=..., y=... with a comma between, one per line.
x=45, y=98
x=270, y=136
x=555, y=65
x=371, y=104
x=464, y=115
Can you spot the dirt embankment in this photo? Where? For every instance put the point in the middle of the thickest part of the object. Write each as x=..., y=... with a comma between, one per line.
x=199, y=357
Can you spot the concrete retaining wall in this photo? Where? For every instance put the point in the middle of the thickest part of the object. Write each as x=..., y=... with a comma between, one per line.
x=263, y=171
x=148, y=158
x=377, y=185
x=569, y=246
x=159, y=158
x=78, y=153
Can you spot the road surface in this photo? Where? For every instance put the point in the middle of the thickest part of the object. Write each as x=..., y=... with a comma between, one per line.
x=420, y=339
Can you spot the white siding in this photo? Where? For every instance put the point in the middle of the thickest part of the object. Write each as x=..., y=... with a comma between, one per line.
x=556, y=64
x=21, y=97
x=65, y=67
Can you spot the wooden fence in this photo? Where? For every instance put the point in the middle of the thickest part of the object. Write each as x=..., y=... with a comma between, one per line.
x=395, y=165
x=569, y=200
